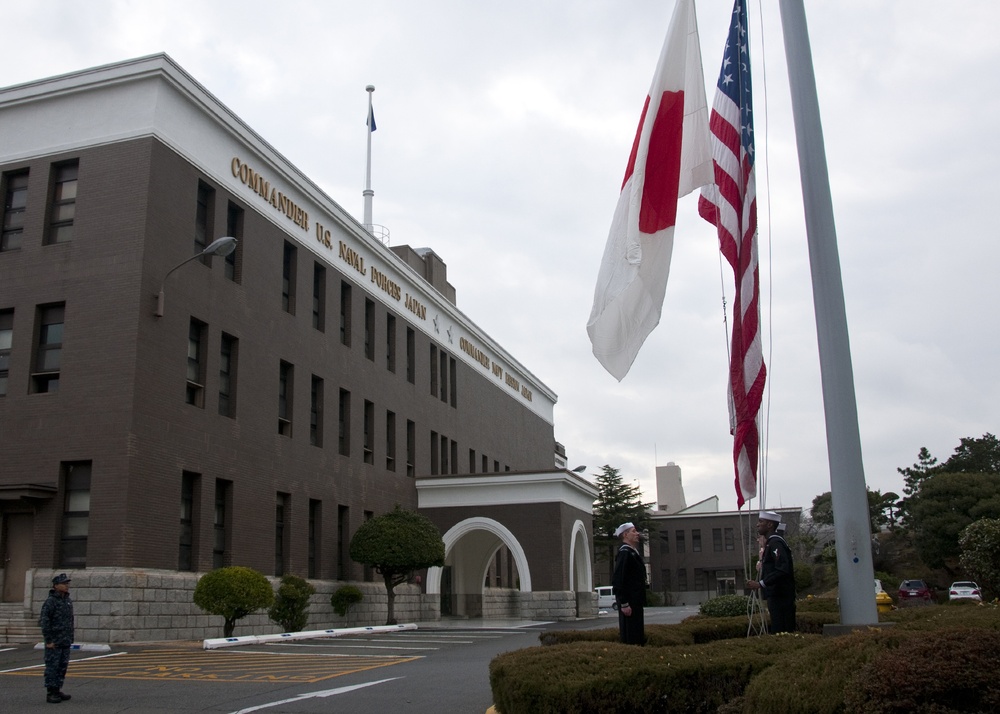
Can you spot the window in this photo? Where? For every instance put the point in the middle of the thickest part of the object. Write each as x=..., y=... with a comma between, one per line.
x=717, y=540
x=390, y=343
x=444, y=376
x=730, y=541
x=344, y=423
x=411, y=448
x=345, y=314
x=390, y=441
x=444, y=454
x=14, y=204
x=76, y=514
x=343, y=523
x=679, y=541
x=411, y=356
x=234, y=228
x=368, y=570
x=370, y=329
x=286, y=374
x=319, y=297
x=369, y=433
x=220, y=526
x=434, y=371
x=472, y=461
x=288, y=278
x=204, y=223
x=196, y=363
x=454, y=457
x=453, y=381
x=696, y=541
x=665, y=576
x=315, y=529
x=725, y=582
x=700, y=579
x=281, y=532
x=189, y=487
x=682, y=579
x=6, y=340
x=62, y=210
x=435, y=457
x=227, y=375
x=48, y=350
x=316, y=412
x=664, y=542
x=486, y=464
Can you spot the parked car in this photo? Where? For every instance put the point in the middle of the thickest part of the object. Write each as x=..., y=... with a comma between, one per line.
x=915, y=591
x=964, y=590
x=605, y=597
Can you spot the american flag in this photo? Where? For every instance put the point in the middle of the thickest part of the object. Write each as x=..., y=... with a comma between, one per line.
x=731, y=205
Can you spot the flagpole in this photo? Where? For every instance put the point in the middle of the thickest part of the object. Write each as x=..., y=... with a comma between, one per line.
x=852, y=524
x=368, y=193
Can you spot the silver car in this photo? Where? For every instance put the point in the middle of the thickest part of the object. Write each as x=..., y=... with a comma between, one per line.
x=964, y=590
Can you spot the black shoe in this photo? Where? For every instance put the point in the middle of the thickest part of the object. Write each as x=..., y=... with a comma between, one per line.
x=64, y=697
x=54, y=698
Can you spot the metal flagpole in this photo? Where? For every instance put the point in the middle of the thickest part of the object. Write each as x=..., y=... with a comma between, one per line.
x=852, y=525
x=368, y=193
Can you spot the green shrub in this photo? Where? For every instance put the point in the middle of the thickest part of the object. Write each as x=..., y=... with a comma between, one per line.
x=725, y=606
x=819, y=604
x=233, y=593
x=291, y=605
x=803, y=576
x=344, y=597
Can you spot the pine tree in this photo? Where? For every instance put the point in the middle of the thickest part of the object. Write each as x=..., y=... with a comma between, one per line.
x=617, y=502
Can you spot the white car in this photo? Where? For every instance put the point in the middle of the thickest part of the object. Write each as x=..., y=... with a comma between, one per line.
x=605, y=597
x=964, y=590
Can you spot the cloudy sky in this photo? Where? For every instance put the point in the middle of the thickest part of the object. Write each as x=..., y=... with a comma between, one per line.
x=503, y=134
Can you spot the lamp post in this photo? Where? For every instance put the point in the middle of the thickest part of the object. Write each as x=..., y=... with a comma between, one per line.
x=219, y=246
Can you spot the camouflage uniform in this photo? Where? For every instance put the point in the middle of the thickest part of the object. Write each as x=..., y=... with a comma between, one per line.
x=56, y=622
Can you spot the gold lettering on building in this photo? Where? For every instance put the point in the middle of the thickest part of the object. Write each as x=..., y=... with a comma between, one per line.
x=474, y=352
x=323, y=235
x=256, y=182
x=387, y=286
x=352, y=258
x=414, y=306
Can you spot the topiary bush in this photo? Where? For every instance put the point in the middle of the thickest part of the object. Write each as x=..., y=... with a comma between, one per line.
x=344, y=597
x=725, y=606
x=291, y=604
x=233, y=593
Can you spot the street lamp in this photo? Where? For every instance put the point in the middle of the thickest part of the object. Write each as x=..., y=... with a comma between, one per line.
x=220, y=246
x=579, y=469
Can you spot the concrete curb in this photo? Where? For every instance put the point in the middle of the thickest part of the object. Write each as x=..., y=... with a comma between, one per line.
x=82, y=646
x=312, y=634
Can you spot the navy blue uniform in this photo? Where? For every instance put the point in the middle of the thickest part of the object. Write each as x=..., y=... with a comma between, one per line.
x=56, y=622
x=777, y=584
x=629, y=586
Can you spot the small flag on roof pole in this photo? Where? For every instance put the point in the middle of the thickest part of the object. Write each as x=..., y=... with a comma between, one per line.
x=671, y=156
x=371, y=118
x=731, y=205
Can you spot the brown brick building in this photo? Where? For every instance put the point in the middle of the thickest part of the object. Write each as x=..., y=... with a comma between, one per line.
x=287, y=392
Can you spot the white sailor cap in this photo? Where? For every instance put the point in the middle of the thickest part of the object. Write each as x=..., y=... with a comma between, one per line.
x=769, y=516
x=622, y=528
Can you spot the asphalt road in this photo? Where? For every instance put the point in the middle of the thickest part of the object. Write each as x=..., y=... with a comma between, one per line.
x=436, y=668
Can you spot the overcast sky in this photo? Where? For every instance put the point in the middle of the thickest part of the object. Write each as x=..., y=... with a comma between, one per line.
x=503, y=134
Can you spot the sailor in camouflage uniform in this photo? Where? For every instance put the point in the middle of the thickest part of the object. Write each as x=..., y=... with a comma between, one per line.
x=56, y=622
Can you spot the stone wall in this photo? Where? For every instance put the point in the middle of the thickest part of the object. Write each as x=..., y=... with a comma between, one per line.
x=132, y=605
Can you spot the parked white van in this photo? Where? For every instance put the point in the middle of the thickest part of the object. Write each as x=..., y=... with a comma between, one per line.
x=605, y=597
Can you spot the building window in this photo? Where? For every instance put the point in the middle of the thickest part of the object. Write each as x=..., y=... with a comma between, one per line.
x=700, y=579
x=472, y=461
x=496, y=466
x=664, y=542
x=319, y=297
x=228, y=353
x=717, y=540
x=453, y=381
x=370, y=330
x=345, y=314
x=435, y=455
x=665, y=576
x=196, y=363
x=682, y=579
x=316, y=412
x=368, y=570
x=725, y=582
x=204, y=220
x=48, y=349
x=411, y=448
x=76, y=514
x=343, y=523
x=281, y=532
x=454, y=457
x=286, y=375
x=486, y=464
x=444, y=376
x=234, y=228
x=189, y=488
x=390, y=441
x=730, y=540
x=390, y=343
x=444, y=455
x=411, y=356
x=369, y=433
x=62, y=210
x=288, y=265
x=344, y=423
x=14, y=204
x=434, y=371
x=696, y=540
x=315, y=531
x=220, y=525
x=679, y=541
x=6, y=341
